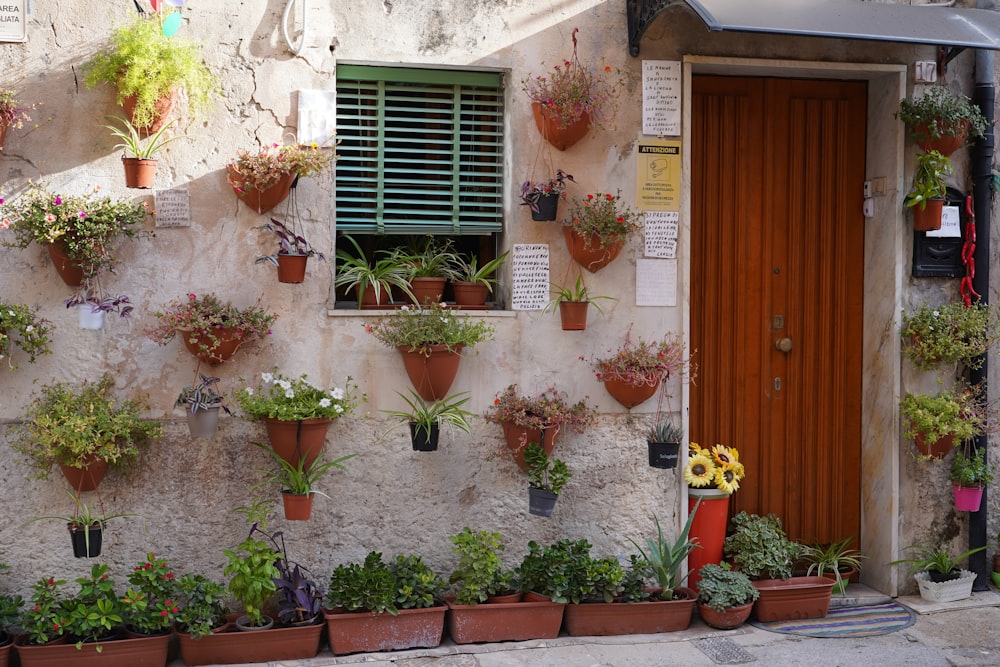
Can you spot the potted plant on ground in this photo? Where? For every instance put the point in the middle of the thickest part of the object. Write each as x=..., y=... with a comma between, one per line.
x=632, y=372
x=952, y=333
x=430, y=339
x=542, y=197
x=297, y=482
x=148, y=68
x=425, y=420
x=597, y=227
x=942, y=120
x=211, y=329
x=471, y=283
x=664, y=442
x=13, y=113
x=202, y=402
x=969, y=474
x=937, y=573
x=83, y=428
x=759, y=547
x=95, y=612
x=251, y=571
x=937, y=422
x=293, y=253
x=301, y=601
x=480, y=575
x=139, y=160
x=10, y=612
x=21, y=327
x=837, y=561
x=43, y=619
x=263, y=178
x=573, y=303
x=202, y=608
x=546, y=479
x=571, y=99
x=428, y=262
x=928, y=193
x=537, y=418
x=374, y=279
x=152, y=601
x=379, y=606
x=296, y=413
x=725, y=596
x=81, y=232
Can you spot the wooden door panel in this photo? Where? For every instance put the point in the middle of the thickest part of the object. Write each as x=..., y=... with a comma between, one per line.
x=777, y=251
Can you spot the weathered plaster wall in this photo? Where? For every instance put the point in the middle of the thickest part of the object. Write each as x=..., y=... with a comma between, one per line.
x=391, y=499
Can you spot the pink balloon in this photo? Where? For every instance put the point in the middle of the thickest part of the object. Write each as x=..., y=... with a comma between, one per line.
x=155, y=4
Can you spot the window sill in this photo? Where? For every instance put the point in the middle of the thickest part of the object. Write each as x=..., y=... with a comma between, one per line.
x=354, y=312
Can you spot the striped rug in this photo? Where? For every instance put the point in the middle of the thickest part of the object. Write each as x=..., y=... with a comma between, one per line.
x=867, y=621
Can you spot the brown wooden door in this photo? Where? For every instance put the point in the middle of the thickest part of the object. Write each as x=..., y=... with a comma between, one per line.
x=777, y=253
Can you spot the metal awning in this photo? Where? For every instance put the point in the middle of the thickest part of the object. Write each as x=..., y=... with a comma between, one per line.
x=844, y=19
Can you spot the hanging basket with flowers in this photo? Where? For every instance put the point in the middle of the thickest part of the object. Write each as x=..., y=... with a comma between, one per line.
x=262, y=179
x=13, y=113
x=632, y=373
x=597, y=228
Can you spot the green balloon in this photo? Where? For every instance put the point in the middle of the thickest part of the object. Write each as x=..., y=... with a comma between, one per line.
x=171, y=24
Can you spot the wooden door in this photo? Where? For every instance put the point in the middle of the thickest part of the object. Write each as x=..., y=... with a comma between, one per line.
x=777, y=259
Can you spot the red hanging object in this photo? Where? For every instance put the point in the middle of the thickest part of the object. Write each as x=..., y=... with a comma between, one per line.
x=968, y=250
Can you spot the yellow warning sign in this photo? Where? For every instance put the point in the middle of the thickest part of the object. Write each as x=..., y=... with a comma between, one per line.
x=658, y=176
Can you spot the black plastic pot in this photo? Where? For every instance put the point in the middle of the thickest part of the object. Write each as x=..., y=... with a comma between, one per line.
x=547, y=207
x=86, y=543
x=938, y=577
x=663, y=454
x=422, y=440
x=541, y=502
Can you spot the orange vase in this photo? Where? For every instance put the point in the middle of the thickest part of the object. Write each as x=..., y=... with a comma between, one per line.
x=708, y=529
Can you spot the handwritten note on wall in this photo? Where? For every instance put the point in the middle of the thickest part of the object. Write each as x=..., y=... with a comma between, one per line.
x=173, y=208
x=531, y=276
x=661, y=233
x=661, y=97
x=656, y=282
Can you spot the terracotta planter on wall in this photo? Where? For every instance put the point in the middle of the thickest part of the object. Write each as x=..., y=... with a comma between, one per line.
x=364, y=631
x=792, y=598
x=261, y=201
x=936, y=449
x=596, y=619
x=88, y=477
x=587, y=251
x=630, y=395
x=946, y=144
x=227, y=342
x=144, y=652
x=161, y=111
x=230, y=647
x=928, y=218
x=3, y=133
x=68, y=269
x=139, y=173
x=573, y=315
x=292, y=268
x=433, y=372
x=536, y=617
x=295, y=440
x=298, y=507
x=518, y=437
x=560, y=137
x=727, y=619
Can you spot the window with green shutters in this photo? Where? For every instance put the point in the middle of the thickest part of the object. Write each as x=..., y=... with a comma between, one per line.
x=421, y=151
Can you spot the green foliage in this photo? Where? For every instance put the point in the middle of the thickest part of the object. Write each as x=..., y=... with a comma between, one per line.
x=759, y=547
x=665, y=558
x=480, y=571
x=68, y=423
x=943, y=112
x=971, y=470
x=202, y=607
x=579, y=293
x=543, y=472
x=417, y=328
x=602, y=217
x=131, y=140
x=300, y=479
x=928, y=179
x=448, y=410
x=721, y=587
x=375, y=586
x=292, y=399
x=633, y=585
x=952, y=333
x=550, y=570
x=664, y=430
x=932, y=559
x=428, y=257
x=388, y=269
x=150, y=605
x=834, y=558
x=10, y=611
x=142, y=61
x=95, y=611
x=43, y=618
x=22, y=327
x=462, y=269
x=251, y=573
x=938, y=415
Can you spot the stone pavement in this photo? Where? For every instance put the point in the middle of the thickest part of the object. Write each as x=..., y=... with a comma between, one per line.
x=955, y=634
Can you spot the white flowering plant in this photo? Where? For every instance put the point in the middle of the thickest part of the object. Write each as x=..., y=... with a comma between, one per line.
x=292, y=399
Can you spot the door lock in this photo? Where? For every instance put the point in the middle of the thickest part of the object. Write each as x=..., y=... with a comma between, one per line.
x=783, y=345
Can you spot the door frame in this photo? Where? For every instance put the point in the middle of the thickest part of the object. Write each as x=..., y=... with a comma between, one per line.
x=885, y=264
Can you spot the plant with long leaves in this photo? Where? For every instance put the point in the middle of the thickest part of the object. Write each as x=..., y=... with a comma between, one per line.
x=665, y=559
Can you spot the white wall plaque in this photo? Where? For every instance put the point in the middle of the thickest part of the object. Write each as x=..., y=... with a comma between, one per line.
x=13, y=21
x=173, y=207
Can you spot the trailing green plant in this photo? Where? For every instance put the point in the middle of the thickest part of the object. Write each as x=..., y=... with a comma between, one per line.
x=547, y=409
x=579, y=293
x=424, y=415
x=406, y=582
x=417, y=328
x=131, y=140
x=202, y=607
x=543, y=472
x=759, y=546
x=22, y=327
x=143, y=62
x=927, y=558
x=834, y=558
x=70, y=423
x=952, y=333
x=480, y=571
x=721, y=587
x=467, y=269
x=292, y=399
x=548, y=570
x=664, y=430
x=948, y=412
x=941, y=112
x=299, y=478
x=386, y=270
x=971, y=470
x=928, y=179
x=665, y=559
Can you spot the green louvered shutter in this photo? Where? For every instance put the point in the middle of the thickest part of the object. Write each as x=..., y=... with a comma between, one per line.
x=421, y=151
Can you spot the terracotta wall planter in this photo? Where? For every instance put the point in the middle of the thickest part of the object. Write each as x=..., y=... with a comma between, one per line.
x=298, y=507
x=936, y=449
x=727, y=619
x=292, y=268
x=587, y=251
x=139, y=173
x=537, y=617
x=946, y=144
x=518, y=437
x=928, y=218
x=792, y=598
x=630, y=395
x=573, y=315
x=231, y=647
x=261, y=201
x=433, y=372
x=295, y=440
x=87, y=478
x=3, y=133
x=560, y=137
x=630, y=618
x=144, y=652
x=68, y=269
x=227, y=342
x=161, y=111
x=364, y=631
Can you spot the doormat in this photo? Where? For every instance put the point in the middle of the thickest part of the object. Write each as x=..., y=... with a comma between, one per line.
x=866, y=621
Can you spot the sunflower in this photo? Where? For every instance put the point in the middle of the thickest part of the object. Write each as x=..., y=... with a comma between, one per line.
x=724, y=455
x=726, y=478
x=700, y=471
x=695, y=448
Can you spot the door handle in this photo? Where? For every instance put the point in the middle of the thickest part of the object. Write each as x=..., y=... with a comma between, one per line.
x=783, y=345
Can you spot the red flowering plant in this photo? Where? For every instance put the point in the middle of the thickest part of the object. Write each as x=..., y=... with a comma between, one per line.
x=602, y=217
x=641, y=362
x=544, y=410
x=43, y=618
x=571, y=90
x=200, y=318
x=150, y=603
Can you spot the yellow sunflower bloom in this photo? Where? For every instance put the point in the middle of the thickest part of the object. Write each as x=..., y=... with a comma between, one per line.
x=695, y=448
x=739, y=470
x=726, y=479
x=700, y=471
x=723, y=455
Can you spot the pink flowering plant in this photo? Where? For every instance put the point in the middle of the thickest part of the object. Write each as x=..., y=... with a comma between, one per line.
x=543, y=410
x=201, y=317
x=263, y=168
x=571, y=90
x=150, y=604
x=292, y=399
x=603, y=217
x=22, y=327
x=641, y=362
x=13, y=112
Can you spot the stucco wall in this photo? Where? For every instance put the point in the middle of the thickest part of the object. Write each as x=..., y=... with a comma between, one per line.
x=391, y=499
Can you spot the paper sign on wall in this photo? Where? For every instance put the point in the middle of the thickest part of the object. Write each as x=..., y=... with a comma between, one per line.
x=658, y=175
x=317, y=117
x=530, y=263
x=173, y=208
x=660, y=229
x=661, y=97
x=951, y=225
x=656, y=282
x=13, y=21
